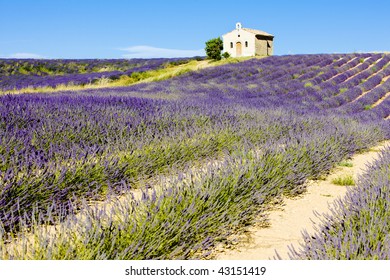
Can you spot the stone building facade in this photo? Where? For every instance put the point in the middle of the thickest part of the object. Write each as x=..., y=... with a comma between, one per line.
x=247, y=42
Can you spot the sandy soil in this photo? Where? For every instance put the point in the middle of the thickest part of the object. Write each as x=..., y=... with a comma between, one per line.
x=287, y=222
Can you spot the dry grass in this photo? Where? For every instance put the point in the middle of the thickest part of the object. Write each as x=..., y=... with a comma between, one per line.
x=344, y=181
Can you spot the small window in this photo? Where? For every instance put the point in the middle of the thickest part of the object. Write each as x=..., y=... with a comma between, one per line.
x=231, y=45
x=239, y=35
x=246, y=44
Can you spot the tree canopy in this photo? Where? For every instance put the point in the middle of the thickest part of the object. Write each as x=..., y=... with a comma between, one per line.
x=213, y=48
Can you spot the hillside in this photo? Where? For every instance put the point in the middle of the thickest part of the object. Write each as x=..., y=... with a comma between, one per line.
x=207, y=150
x=348, y=84
x=42, y=75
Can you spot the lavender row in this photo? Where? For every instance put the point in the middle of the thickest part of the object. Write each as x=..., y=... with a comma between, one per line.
x=263, y=82
x=359, y=224
x=355, y=99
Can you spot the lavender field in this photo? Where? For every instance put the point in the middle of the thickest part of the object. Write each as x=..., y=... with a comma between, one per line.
x=19, y=74
x=268, y=124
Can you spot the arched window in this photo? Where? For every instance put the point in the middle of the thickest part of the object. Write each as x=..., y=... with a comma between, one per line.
x=231, y=45
x=246, y=44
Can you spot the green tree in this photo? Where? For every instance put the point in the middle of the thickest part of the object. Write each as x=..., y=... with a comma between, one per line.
x=213, y=48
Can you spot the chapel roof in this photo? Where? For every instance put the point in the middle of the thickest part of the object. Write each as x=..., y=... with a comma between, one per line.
x=258, y=32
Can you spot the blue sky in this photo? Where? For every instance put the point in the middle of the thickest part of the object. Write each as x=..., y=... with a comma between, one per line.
x=127, y=29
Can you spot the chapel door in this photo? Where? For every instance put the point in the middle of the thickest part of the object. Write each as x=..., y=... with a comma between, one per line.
x=238, y=49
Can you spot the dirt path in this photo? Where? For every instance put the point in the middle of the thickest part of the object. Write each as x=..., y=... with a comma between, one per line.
x=287, y=223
